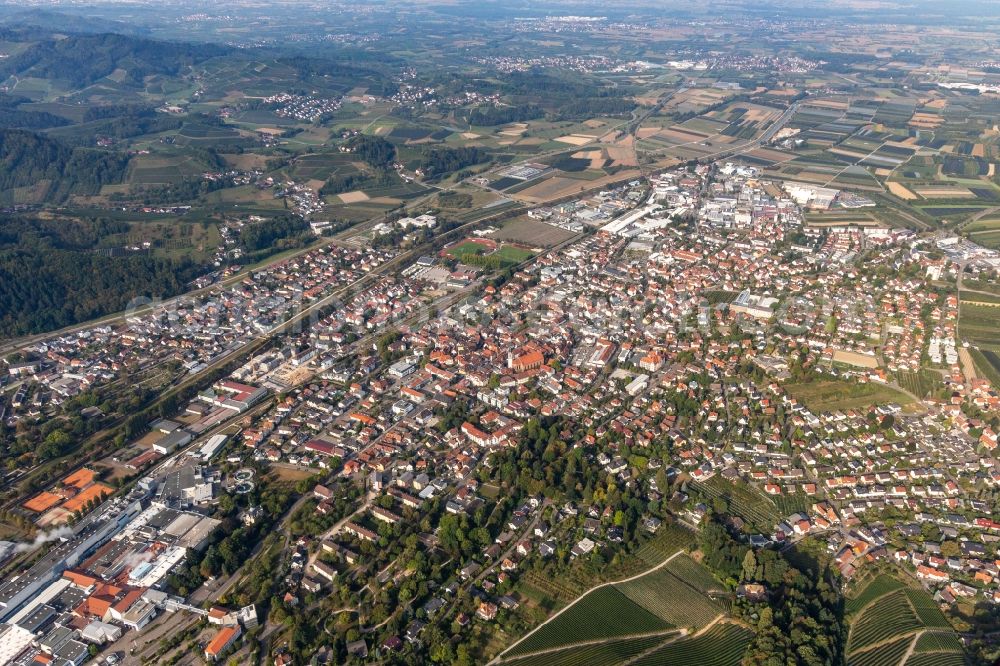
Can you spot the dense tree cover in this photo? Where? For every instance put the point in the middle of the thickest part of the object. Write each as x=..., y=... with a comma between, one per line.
x=12, y=116
x=262, y=235
x=49, y=280
x=27, y=158
x=117, y=110
x=122, y=127
x=233, y=543
x=349, y=69
x=589, y=107
x=801, y=622
x=438, y=161
x=83, y=59
x=183, y=191
x=374, y=150
x=28, y=19
x=488, y=116
x=344, y=183
x=557, y=88
x=840, y=62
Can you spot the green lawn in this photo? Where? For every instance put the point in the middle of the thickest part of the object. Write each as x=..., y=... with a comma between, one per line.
x=832, y=395
x=514, y=255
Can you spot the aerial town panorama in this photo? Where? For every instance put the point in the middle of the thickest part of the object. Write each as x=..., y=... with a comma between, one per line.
x=508, y=334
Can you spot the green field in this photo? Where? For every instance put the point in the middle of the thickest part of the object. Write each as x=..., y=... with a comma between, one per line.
x=891, y=616
x=936, y=659
x=603, y=613
x=668, y=540
x=467, y=248
x=987, y=223
x=513, y=255
x=887, y=654
x=885, y=617
x=881, y=585
x=826, y=396
x=677, y=593
x=988, y=364
x=604, y=654
x=988, y=239
x=978, y=325
x=722, y=645
x=746, y=502
x=919, y=383
x=476, y=254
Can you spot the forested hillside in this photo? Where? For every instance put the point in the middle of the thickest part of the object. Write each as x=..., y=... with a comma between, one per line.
x=83, y=59
x=50, y=278
x=27, y=158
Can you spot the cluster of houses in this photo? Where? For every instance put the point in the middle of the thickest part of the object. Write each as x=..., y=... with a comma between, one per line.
x=308, y=108
x=682, y=301
x=195, y=332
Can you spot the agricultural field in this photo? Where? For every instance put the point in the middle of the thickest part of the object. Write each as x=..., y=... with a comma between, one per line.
x=788, y=504
x=826, y=396
x=676, y=593
x=938, y=642
x=668, y=540
x=598, y=614
x=534, y=233
x=936, y=659
x=919, y=383
x=750, y=504
x=987, y=364
x=886, y=654
x=722, y=645
x=603, y=613
x=603, y=654
x=879, y=586
x=322, y=166
x=163, y=169
x=887, y=616
x=205, y=135
x=977, y=325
